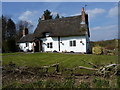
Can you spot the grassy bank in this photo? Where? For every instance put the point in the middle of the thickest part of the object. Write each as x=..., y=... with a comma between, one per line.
x=67, y=60
x=34, y=77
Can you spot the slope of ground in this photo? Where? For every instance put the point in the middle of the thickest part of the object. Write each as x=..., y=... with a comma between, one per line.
x=67, y=60
x=109, y=44
x=32, y=76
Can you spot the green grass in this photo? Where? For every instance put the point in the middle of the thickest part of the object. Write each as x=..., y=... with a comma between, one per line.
x=66, y=60
x=7, y=54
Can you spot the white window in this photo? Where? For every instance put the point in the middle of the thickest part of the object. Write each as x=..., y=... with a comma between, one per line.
x=72, y=43
x=50, y=45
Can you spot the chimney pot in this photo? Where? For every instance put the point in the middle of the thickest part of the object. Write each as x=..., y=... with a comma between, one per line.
x=83, y=9
x=43, y=17
x=83, y=16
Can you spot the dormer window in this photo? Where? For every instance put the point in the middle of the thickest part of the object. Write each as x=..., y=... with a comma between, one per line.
x=47, y=34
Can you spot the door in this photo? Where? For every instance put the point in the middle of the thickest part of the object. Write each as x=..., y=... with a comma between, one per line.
x=36, y=46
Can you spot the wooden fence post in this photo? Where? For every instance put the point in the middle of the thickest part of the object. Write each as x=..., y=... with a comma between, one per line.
x=57, y=68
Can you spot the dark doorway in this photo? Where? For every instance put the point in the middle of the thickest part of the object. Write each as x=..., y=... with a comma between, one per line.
x=36, y=46
x=40, y=47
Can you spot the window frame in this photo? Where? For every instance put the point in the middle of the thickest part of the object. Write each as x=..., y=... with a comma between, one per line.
x=72, y=43
x=50, y=45
x=27, y=44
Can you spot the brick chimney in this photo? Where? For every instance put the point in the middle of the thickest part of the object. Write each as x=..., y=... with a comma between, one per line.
x=43, y=17
x=25, y=31
x=83, y=16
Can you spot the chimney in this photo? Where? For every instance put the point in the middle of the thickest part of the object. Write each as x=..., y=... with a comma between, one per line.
x=43, y=17
x=83, y=16
x=25, y=31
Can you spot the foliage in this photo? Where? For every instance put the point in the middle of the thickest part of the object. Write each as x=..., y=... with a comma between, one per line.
x=4, y=23
x=99, y=83
x=9, y=45
x=51, y=84
x=108, y=44
x=47, y=14
x=69, y=82
x=118, y=81
x=84, y=85
x=97, y=50
x=10, y=29
x=8, y=35
x=20, y=26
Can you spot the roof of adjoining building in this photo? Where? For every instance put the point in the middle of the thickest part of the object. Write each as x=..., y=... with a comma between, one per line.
x=26, y=38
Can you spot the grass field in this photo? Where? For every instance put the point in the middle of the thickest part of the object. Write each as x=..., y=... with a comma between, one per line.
x=23, y=78
x=66, y=60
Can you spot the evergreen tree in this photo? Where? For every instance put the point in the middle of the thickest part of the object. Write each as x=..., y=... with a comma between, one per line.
x=4, y=24
x=8, y=35
x=47, y=15
x=10, y=30
x=0, y=34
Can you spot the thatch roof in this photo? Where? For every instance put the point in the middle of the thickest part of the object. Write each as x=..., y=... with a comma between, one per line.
x=26, y=38
x=69, y=26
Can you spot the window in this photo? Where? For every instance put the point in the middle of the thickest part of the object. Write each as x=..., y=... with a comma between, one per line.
x=27, y=44
x=70, y=43
x=50, y=45
x=47, y=34
x=73, y=43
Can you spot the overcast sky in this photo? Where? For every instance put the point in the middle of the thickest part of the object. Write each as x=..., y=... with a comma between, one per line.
x=103, y=17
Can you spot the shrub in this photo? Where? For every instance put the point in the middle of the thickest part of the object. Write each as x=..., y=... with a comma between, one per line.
x=99, y=83
x=97, y=50
x=52, y=84
x=118, y=81
x=105, y=51
x=9, y=45
x=68, y=83
x=84, y=85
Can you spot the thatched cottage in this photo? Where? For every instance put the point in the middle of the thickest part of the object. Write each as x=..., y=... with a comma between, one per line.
x=69, y=34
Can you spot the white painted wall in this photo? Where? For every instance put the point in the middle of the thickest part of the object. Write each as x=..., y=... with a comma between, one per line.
x=65, y=45
x=80, y=47
x=23, y=47
x=46, y=40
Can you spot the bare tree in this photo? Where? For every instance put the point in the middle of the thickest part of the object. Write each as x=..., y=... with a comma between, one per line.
x=21, y=25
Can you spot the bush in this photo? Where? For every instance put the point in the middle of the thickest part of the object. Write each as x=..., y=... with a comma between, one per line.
x=84, y=85
x=68, y=83
x=108, y=52
x=9, y=45
x=99, y=83
x=97, y=50
x=118, y=81
x=51, y=84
